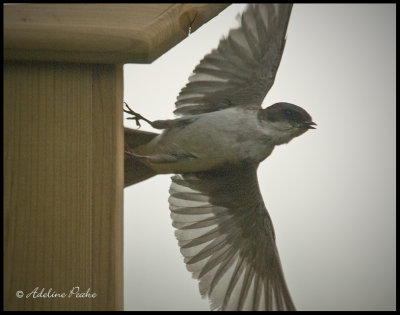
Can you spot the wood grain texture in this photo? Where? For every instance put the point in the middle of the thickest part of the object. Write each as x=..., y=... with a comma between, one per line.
x=99, y=33
x=63, y=177
x=108, y=179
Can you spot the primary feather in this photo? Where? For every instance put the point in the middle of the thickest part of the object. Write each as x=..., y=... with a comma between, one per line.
x=242, y=69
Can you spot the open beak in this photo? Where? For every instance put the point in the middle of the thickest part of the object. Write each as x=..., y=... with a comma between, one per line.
x=309, y=124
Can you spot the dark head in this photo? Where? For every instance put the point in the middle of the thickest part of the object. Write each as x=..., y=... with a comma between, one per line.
x=286, y=121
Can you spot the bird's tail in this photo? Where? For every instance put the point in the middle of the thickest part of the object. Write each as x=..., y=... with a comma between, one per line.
x=134, y=170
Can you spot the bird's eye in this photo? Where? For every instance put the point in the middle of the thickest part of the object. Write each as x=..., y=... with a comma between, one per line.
x=288, y=112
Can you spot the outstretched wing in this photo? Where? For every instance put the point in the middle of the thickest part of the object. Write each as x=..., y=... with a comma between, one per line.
x=242, y=69
x=227, y=239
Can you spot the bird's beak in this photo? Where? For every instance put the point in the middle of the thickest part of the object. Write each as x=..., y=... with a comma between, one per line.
x=309, y=124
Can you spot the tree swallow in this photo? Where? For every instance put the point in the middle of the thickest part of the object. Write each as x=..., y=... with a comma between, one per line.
x=223, y=228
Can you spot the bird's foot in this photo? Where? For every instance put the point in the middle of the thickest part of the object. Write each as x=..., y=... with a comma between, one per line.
x=157, y=158
x=137, y=117
x=129, y=153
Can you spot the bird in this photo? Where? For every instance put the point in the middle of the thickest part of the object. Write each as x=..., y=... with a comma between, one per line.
x=213, y=149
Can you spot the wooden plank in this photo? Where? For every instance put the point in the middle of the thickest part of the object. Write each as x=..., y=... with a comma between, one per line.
x=63, y=182
x=108, y=184
x=100, y=33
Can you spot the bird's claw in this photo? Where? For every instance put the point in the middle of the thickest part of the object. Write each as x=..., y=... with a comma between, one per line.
x=135, y=115
x=129, y=153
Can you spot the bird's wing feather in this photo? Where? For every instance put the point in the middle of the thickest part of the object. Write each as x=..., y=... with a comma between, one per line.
x=242, y=69
x=227, y=239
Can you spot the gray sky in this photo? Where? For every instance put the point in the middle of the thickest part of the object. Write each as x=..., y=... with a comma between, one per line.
x=330, y=192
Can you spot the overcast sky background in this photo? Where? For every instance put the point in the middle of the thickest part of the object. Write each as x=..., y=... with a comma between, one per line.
x=330, y=192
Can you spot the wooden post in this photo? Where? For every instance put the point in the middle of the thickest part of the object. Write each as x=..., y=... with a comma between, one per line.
x=63, y=144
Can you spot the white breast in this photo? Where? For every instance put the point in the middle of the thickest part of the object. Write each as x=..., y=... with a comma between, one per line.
x=230, y=135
